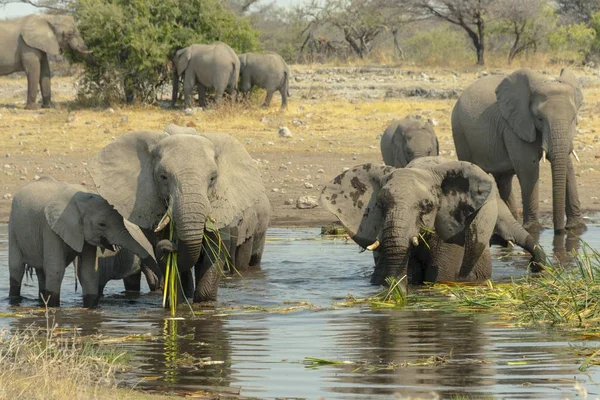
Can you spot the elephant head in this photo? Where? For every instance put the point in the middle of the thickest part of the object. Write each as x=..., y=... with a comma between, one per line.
x=414, y=139
x=538, y=108
x=50, y=33
x=79, y=217
x=456, y=200
x=197, y=176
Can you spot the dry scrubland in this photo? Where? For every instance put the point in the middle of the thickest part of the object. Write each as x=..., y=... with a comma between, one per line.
x=335, y=116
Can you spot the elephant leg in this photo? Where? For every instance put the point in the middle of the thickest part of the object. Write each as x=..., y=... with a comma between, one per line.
x=54, y=273
x=188, y=85
x=207, y=280
x=573, y=209
x=202, y=95
x=445, y=261
x=284, y=96
x=257, y=251
x=482, y=269
x=16, y=268
x=529, y=181
x=45, y=82
x=504, y=183
x=219, y=95
x=41, y=277
x=243, y=254
x=380, y=271
x=31, y=65
x=88, y=275
x=187, y=283
x=132, y=282
x=268, y=98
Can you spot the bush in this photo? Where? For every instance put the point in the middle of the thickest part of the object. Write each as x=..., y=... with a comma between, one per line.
x=571, y=43
x=438, y=46
x=133, y=40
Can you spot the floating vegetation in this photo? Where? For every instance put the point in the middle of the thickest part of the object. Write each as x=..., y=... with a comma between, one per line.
x=391, y=296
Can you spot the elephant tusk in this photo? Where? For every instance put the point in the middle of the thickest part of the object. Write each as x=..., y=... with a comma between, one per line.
x=576, y=156
x=511, y=243
x=415, y=241
x=165, y=220
x=544, y=156
x=373, y=246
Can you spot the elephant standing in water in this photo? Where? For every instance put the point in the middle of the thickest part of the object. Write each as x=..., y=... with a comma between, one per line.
x=268, y=71
x=407, y=139
x=207, y=66
x=52, y=223
x=504, y=124
x=201, y=178
x=433, y=223
x=28, y=42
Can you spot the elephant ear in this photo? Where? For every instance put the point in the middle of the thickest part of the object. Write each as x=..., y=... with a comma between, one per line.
x=513, y=95
x=464, y=189
x=38, y=33
x=182, y=58
x=65, y=219
x=352, y=198
x=567, y=76
x=239, y=184
x=123, y=174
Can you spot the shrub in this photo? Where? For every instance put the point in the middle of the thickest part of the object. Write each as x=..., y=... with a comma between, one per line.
x=133, y=40
x=441, y=45
x=571, y=43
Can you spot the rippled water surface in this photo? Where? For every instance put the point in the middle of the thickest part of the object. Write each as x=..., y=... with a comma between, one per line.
x=262, y=347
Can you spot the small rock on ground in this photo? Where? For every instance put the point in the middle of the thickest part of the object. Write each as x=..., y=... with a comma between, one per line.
x=306, y=202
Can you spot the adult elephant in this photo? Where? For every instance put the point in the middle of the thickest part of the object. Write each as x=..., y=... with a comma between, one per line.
x=52, y=223
x=407, y=139
x=208, y=66
x=28, y=42
x=268, y=71
x=437, y=231
x=505, y=124
x=200, y=177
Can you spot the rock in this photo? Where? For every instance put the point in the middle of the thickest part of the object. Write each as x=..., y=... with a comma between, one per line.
x=7, y=196
x=107, y=130
x=110, y=110
x=124, y=119
x=346, y=169
x=433, y=121
x=36, y=178
x=308, y=185
x=275, y=190
x=189, y=111
x=248, y=141
x=285, y=132
x=288, y=202
x=83, y=183
x=320, y=171
x=306, y=202
x=7, y=155
x=269, y=143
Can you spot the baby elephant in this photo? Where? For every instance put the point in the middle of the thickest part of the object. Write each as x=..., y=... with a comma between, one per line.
x=407, y=139
x=52, y=223
x=268, y=71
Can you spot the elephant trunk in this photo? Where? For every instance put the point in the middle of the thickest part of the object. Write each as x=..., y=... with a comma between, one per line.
x=189, y=213
x=559, y=154
x=396, y=237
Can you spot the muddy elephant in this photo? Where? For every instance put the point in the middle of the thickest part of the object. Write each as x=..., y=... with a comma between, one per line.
x=52, y=223
x=268, y=71
x=29, y=41
x=505, y=124
x=407, y=139
x=207, y=66
x=439, y=230
x=208, y=181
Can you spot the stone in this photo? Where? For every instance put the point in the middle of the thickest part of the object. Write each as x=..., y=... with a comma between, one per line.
x=288, y=202
x=285, y=132
x=308, y=185
x=7, y=196
x=124, y=119
x=306, y=202
x=189, y=111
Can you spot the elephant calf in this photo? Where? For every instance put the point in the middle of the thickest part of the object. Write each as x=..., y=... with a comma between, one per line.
x=431, y=223
x=407, y=139
x=52, y=223
x=268, y=71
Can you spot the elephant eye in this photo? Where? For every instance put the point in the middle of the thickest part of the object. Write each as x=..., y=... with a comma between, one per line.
x=213, y=178
x=164, y=177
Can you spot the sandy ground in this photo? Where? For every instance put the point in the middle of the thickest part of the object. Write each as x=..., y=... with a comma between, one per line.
x=335, y=115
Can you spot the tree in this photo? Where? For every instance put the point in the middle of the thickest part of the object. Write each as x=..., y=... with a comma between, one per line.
x=56, y=6
x=132, y=42
x=470, y=15
x=578, y=10
x=527, y=21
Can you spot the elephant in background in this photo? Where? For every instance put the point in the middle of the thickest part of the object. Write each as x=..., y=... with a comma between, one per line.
x=52, y=223
x=29, y=41
x=268, y=71
x=210, y=183
x=207, y=66
x=439, y=230
x=407, y=139
x=505, y=124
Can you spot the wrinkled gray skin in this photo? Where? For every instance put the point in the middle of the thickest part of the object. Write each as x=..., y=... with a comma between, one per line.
x=268, y=71
x=455, y=200
x=502, y=124
x=202, y=176
x=51, y=223
x=207, y=66
x=124, y=264
x=28, y=42
x=407, y=139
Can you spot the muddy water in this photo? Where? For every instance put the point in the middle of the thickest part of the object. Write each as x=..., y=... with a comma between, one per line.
x=261, y=349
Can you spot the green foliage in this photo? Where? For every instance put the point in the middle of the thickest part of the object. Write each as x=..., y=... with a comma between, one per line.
x=595, y=25
x=133, y=40
x=571, y=42
x=442, y=45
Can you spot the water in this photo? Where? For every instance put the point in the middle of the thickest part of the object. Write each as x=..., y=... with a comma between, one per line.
x=262, y=352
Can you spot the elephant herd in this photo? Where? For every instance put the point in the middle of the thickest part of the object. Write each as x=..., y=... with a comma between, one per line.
x=30, y=40
x=424, y=217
